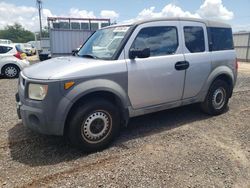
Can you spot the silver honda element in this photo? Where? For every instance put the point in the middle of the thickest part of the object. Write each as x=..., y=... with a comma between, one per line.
x=123, y=71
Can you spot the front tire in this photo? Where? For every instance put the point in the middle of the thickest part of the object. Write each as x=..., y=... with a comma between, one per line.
x=11, y=71
x=216, y=101
x=94, y=125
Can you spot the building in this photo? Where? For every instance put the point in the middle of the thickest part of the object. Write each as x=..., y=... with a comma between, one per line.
x=67, y=34
x=242, y=45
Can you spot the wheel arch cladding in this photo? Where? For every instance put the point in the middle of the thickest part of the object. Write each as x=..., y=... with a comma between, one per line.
x=226, y=78
x=224, y=73
x=111, y=92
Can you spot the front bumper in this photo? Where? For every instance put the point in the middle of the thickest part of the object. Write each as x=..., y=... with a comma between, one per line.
x=47, y=116
x=34, y=118
x=41, y=120
x=18, y=106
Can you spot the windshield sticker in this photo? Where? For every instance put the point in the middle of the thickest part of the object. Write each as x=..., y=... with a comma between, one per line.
x=121, y=29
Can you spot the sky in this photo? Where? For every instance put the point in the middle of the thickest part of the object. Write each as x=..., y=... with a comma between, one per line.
x=234, y=12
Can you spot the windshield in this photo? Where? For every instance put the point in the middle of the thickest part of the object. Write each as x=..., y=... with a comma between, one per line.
x=27, y=46
x=104, y=43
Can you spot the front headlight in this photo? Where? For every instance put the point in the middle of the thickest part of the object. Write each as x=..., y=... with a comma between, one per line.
x=38, y=91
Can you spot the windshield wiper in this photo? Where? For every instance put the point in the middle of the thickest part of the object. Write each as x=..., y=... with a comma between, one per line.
x=90, y=56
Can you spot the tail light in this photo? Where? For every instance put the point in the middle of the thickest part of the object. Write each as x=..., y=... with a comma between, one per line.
x=20, y=55
x=236, y=64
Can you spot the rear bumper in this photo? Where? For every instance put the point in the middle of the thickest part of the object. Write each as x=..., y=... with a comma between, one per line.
x=23, y=63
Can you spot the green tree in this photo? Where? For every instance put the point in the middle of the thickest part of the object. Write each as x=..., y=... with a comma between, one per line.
x=45, y=32
x=16, y=33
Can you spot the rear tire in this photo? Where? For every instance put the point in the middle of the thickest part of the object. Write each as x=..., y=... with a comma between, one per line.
x=94, y=125
x=11, y=71
x=217, y=98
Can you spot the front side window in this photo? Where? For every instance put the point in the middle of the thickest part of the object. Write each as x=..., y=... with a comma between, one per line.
x=220, y=39
x=104, y=43
x=160, y=40
x=194, y=39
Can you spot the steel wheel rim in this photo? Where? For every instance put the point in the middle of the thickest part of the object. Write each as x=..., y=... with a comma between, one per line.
x=10, y=71
x=219, y=98
x=96, y=127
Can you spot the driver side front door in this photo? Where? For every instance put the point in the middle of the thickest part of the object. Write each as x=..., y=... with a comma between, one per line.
x=157, y=79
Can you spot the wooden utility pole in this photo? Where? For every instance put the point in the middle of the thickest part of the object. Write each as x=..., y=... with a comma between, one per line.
x=39, y=6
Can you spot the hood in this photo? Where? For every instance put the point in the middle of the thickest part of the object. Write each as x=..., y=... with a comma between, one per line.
x=60, y=68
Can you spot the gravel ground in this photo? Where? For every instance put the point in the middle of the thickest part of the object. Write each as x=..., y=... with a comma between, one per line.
x=174, y=148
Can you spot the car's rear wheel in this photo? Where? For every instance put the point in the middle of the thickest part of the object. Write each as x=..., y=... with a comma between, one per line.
x=94, y=125
x=217, y=98
x=11, y=71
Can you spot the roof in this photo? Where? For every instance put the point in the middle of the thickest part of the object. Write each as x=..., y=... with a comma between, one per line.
x=7, y=45
x=209, y=23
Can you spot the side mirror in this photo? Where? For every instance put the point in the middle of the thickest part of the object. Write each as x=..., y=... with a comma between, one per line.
x=140, y=53
x=74, y=52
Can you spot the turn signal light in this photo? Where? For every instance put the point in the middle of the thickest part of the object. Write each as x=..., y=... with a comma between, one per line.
x=68, y=85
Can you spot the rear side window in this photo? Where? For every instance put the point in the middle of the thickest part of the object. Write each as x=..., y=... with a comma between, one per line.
x=194, y=39
x=4, y=49
x=220, y=39
x=160, y=40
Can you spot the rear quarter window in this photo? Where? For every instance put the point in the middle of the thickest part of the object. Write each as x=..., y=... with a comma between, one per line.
x=4, y=49
x=220, y=39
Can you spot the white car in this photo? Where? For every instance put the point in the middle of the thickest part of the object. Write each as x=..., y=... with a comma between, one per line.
x=29, y=49
x=5, y=41
x=12, y=60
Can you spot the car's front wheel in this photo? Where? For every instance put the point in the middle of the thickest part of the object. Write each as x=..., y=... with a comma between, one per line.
x=217, y=98
x=94, y=125
x=11, y=71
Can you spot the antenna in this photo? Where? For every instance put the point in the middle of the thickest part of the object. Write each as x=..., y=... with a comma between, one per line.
x=39, y=6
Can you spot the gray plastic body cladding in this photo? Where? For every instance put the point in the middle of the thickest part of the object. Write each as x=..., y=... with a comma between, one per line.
x=53, y=110
x=115, y=83
x=110, y=76
x=223, y=63
x=50, y=112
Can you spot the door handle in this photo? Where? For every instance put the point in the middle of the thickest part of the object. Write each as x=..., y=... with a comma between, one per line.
x=181, y=65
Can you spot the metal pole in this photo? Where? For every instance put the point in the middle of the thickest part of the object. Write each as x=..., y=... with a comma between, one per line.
x=39, y=5
x=248, y=48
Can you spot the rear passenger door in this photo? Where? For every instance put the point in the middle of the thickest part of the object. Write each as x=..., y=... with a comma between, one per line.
x=155, y=80
x=196, y=52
